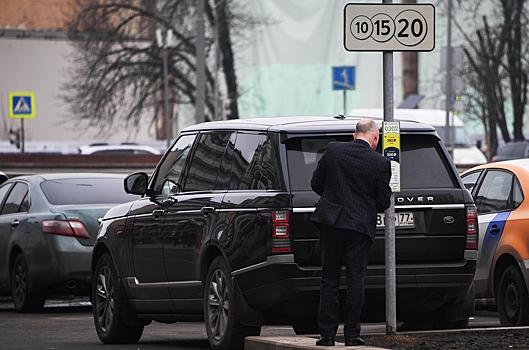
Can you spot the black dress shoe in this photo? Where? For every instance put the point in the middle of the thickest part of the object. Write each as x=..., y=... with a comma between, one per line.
x=354, y=341
x=325, y=341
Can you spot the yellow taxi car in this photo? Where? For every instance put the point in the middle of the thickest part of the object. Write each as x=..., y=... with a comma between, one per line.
x=502, y=273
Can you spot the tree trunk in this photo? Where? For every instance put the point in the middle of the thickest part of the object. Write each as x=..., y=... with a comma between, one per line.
x=228, y=64
x=517, y=77
x=410, y=68
x=410, y=74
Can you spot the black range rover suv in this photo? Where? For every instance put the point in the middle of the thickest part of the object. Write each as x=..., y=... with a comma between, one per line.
x=223, y=234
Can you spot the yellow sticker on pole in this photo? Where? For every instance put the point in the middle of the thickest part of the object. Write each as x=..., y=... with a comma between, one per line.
x=391, y=150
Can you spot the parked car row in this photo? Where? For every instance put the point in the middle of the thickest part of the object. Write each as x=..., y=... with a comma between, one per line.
x=221, y=233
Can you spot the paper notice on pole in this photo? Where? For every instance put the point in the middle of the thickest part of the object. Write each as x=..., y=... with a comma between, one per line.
x=391, y=150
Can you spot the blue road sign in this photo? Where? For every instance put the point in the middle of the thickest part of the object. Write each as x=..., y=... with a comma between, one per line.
x=22, y=105
x=343, y=78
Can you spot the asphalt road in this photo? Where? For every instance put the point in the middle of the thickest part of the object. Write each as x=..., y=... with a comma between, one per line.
x=68, y=324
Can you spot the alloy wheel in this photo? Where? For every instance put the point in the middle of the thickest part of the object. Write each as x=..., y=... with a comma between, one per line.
x=20, y=282
x=104, y=299
x=218, y=304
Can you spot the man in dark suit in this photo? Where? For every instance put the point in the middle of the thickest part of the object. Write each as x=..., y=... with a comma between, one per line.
x=353, y=182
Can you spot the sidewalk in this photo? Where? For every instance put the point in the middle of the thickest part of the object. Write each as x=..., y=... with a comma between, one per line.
x=297, y=342
x=471, y=338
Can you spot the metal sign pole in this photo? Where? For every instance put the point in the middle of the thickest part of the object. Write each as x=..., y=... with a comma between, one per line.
x=389, y=228
x=388, y=28
x=344, y=104
x=166, y=91
x=22, y=139
x=448, y=139
x=201, y=64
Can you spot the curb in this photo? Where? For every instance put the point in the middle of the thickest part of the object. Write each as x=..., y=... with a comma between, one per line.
x=283, y=343
x=306, y=342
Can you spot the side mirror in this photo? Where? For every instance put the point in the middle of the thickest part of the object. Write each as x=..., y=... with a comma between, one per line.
x=3, y=177
x=136, y=183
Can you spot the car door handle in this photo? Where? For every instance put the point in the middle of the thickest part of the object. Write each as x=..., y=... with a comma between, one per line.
x=207, y=210
x=15, y=222
x=494, y=230
x=169, y=201
x=158, y=212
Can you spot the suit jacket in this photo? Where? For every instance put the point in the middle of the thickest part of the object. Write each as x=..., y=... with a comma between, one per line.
x=353, y=182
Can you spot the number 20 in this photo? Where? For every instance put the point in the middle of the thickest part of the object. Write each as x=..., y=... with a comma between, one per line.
x=416, y=28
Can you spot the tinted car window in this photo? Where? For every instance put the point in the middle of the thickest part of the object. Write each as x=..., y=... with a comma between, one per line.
x=461, y=137
x=205, y=162
x=15, y=199
x=514, y=150
x=303, y=154
x=224, y=175
x=469, y=180
x=423, y=165
x=494, y=192
x=169, y=172
x=508, y=150
x=3, y=192
x=518, y=150
x=87, y=191
x=254, y=163
x=433, y=172
x=517, y=194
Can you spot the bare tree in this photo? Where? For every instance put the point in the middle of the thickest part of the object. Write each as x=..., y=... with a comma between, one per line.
x=117, y=77
x=495, y=74
x=485, y=78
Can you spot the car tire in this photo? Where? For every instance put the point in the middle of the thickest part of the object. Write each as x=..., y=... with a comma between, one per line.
x=109, y=306
x=222, y=327
x=513, y=299
x=24, y=300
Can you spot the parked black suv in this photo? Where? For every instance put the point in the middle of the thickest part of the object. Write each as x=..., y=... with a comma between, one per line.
x=222, y=234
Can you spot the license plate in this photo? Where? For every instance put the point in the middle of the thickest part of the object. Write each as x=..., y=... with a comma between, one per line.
x=402, y=219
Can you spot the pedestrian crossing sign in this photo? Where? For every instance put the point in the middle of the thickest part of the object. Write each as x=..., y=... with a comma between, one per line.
x=22, y=105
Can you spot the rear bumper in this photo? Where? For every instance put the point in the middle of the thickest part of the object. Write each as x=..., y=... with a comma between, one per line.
x=420, y=289
x=61, y=267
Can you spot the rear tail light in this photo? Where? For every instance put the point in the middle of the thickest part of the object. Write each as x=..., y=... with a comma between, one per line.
x=281, y=232
x=472, y=227
x=65, y=228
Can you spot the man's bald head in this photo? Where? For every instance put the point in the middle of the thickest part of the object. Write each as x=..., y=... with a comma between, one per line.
x=367, y=129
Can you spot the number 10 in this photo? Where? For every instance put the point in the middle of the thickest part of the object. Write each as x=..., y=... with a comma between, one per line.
x=362, y=27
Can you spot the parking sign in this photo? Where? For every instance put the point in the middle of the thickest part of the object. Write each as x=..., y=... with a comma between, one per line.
x=389, y=27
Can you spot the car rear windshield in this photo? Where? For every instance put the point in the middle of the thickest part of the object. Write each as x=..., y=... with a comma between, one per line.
x=514, y=149
x=423, y=162
x=86, y=191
